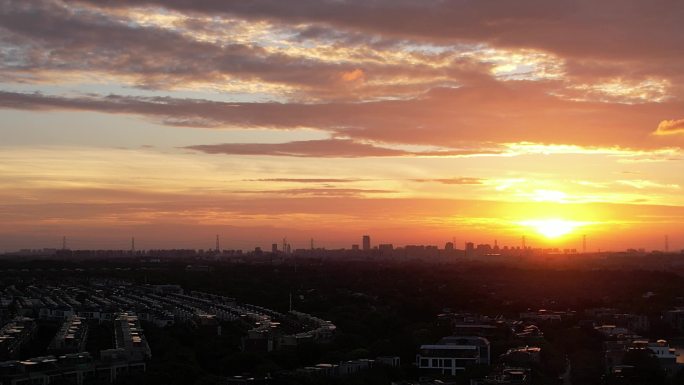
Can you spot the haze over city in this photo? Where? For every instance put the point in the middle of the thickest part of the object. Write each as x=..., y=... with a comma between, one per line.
x=416, y=122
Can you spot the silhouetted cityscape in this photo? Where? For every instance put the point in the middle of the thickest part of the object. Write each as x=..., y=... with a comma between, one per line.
x=483, y=314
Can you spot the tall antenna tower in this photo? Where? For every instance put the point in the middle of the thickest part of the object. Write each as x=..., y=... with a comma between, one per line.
x=218, y=247
x=312, y=244
x=132, y=245
x=64, y=243
x=667, y=243
x=285, y=246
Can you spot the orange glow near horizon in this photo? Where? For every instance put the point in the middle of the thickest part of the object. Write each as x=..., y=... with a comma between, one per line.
x=552, y=228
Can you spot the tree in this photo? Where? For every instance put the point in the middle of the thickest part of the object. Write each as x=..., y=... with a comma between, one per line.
x=647, y=369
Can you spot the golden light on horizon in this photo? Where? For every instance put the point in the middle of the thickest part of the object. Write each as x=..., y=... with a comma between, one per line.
x=552, y=228
x=549, y=196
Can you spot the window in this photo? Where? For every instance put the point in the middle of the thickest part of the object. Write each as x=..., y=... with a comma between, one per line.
x=435, y=363
x=447, y=363
x=424, y=362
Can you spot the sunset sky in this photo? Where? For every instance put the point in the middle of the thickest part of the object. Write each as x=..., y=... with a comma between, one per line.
x=414, y=121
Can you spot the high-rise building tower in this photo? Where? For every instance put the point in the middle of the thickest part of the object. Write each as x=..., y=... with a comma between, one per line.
x=667, y=243
x=469, y=249
x=366, y=243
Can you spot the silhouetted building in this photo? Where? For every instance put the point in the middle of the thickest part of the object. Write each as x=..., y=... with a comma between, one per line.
x=129, y=339
x=522, y=356
x=453, y=354
x=469, y=249
x=71, y=337
x=76, y=368
x=386, y=249
x=393, y=361
x=366, y=243
x=15, y=335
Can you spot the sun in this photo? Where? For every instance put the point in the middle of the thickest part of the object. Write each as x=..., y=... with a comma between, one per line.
x=552, y=228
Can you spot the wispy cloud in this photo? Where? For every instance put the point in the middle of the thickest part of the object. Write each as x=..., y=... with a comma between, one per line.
x=306, y=180
x=462, y=180
x=328, y=148
x=670, y=127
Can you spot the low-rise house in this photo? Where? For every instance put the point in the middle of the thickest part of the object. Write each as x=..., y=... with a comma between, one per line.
x=15, y=335
x=71, y=337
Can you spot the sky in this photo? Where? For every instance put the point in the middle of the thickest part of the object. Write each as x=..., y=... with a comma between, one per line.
x=413, y=121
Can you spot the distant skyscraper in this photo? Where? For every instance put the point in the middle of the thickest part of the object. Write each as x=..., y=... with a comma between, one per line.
x=449, y=246
x=667, y=243
x=366, y=243
x=274, y=248
x=469, y=249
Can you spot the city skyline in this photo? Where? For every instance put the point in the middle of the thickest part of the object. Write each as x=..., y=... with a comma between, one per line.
x=413, y=122
x=287, y=246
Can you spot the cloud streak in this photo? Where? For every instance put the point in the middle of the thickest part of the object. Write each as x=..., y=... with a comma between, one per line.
x=670, y=127
x=325, y=148
x=306, y=180
x=454, y=181
x=452, y=118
